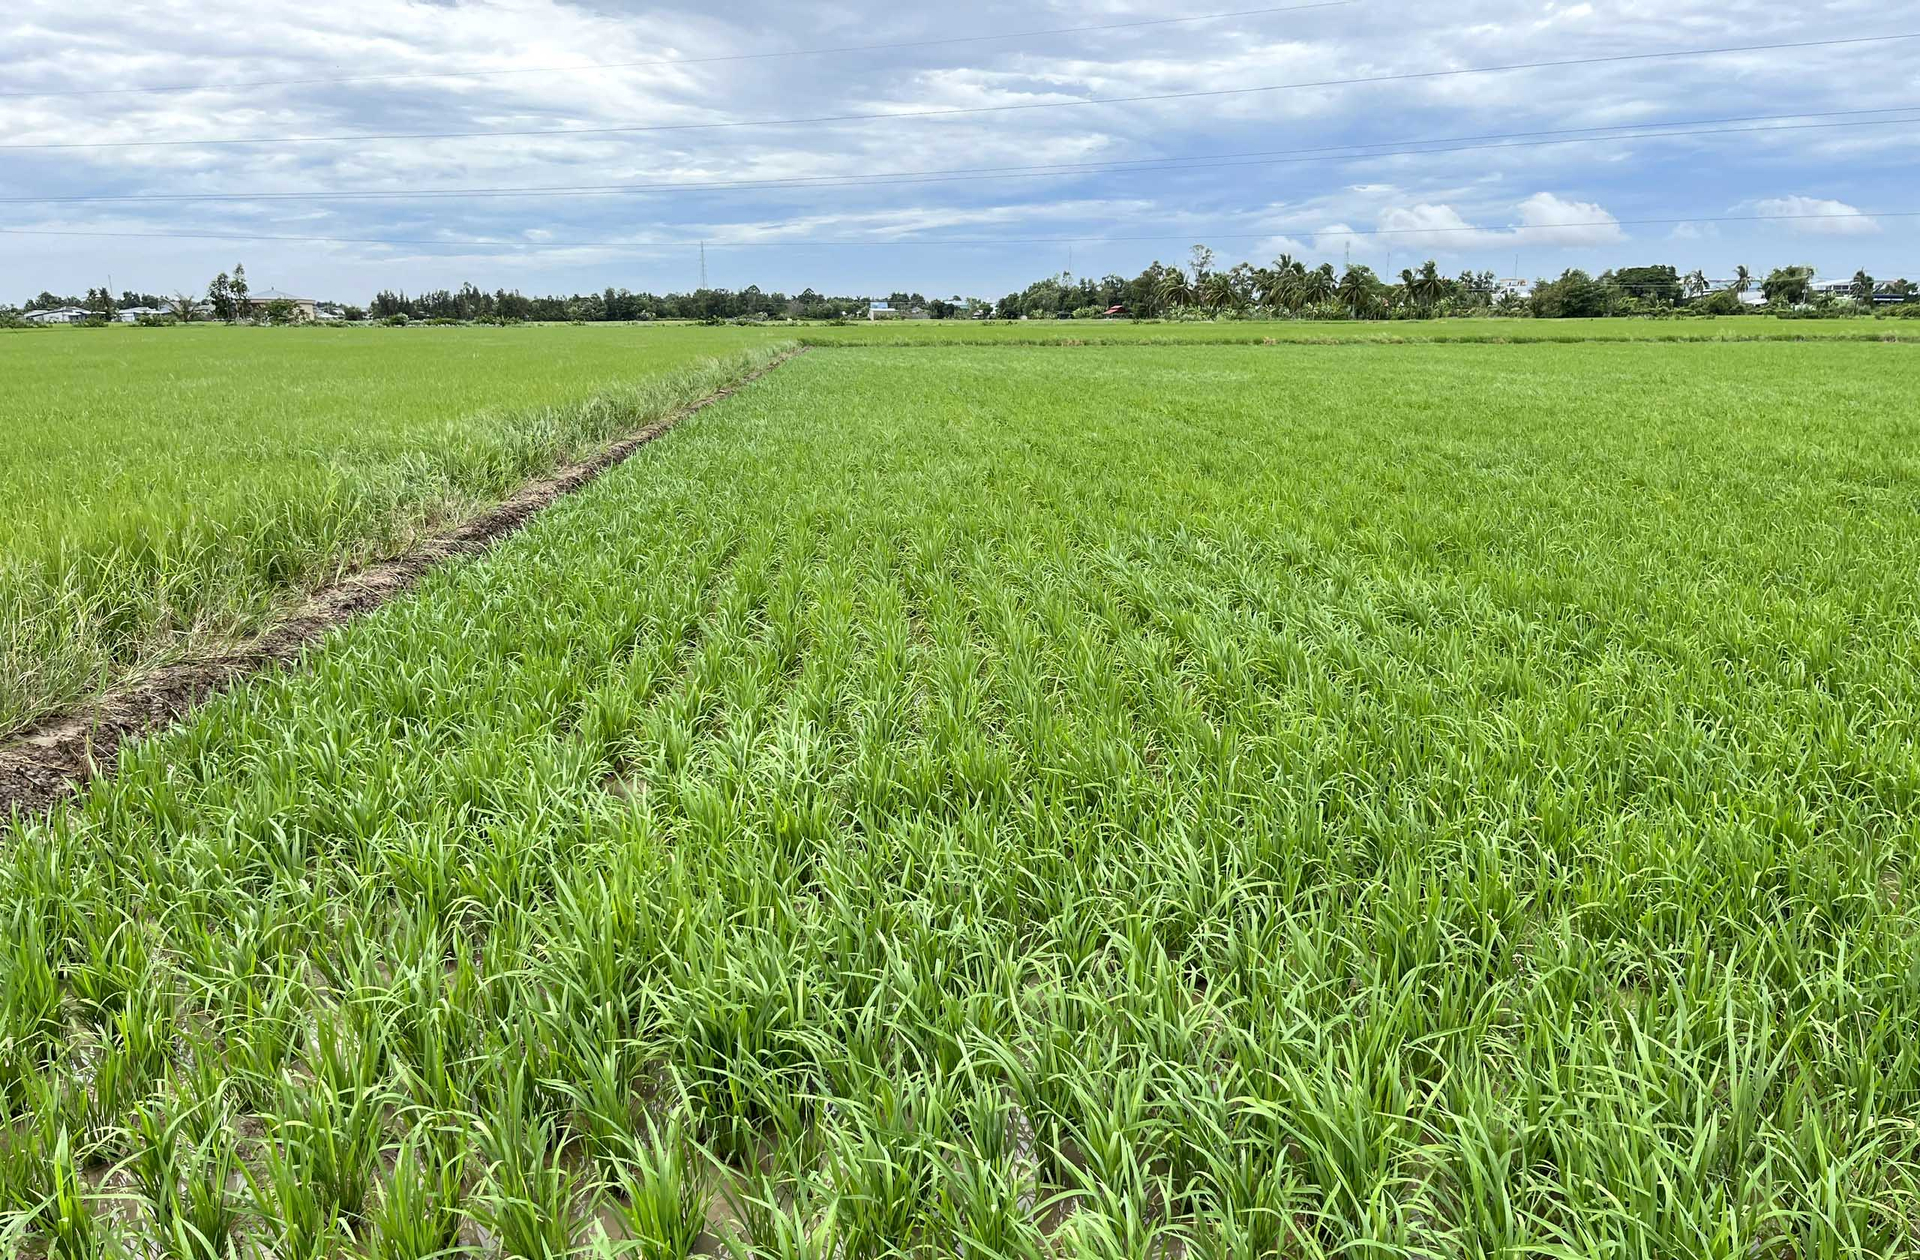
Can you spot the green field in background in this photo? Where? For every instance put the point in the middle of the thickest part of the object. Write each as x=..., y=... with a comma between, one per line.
x=164, y=489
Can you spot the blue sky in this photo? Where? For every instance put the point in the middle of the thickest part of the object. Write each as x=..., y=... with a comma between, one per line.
x=1540, y=207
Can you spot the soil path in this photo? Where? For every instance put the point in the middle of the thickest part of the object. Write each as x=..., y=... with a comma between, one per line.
x=61, y=754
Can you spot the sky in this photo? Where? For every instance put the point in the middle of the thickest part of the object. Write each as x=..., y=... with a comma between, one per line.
x=359, y=97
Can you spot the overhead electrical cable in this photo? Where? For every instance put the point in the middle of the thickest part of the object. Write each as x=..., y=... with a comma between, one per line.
x=958, y=111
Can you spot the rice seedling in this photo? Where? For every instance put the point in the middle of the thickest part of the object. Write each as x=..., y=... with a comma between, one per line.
x=661, y=1200
x=420, y=1213
x=1442, y=801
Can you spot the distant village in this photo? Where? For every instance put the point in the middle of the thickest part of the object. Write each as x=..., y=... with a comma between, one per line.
x=261, y=305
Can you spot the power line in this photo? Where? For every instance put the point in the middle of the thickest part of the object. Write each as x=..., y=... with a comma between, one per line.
x=1270, y=231
x=1358, y=151
x=945, y=42
x=967, y=110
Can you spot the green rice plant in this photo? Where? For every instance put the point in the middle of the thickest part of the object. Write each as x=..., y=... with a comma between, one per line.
x=420, y=1212
x=661, y=1197
x=303, y=1223
x=332, y=1132
x=29, y=1004
x=209, y=1213
x=68, y=1220
x=531, y=1201
x=25, y=1172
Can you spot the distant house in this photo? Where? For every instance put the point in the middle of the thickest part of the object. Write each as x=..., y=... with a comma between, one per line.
x=1116, y=312
x=59, y=315
x=134, y=314
x=1518, y=289
x=257, y=303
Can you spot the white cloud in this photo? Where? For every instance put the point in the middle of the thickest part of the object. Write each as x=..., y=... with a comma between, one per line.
x=1551, y=220
x=1803, y=209
x=1430, y=227
x=1430, y=201
x=1336, y=237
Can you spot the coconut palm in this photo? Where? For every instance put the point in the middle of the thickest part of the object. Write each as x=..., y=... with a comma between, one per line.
x=1695, y=283
x=1862, y=286
x=1174, y=289
x=1283, y=283
x=1317, y=286
x=1219, y=293
x=1429, y=285
x=1423, y=288
x=1356, y=290
x=1742, y=280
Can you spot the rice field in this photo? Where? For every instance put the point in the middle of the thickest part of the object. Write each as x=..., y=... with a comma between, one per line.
x=1440, y=801
x=163, y=491
x=1489, y=331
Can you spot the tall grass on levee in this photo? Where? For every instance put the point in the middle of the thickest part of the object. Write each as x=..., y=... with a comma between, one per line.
x=1412, y=801
x=163, y=491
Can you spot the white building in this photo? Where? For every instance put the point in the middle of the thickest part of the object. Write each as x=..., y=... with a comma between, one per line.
x=134, y=314
x=59, y=315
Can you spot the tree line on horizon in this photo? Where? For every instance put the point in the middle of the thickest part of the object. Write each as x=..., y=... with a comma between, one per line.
x=1288, y=287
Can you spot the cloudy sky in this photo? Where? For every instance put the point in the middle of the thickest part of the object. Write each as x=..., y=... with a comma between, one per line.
x=1006, y=173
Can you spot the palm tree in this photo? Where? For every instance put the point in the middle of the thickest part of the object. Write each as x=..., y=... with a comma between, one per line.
x=1218, y=292
x=1356, y=290
x=1429, y=285
x=1174, y=290
x=1862, y=287
x=1742, y=280
x=183, y=305
x=1695, y=283
x=1284, y=288
x=1423, y=288
x=1317, y=286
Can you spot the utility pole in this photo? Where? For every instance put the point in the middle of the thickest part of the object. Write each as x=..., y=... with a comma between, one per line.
x=703, y=265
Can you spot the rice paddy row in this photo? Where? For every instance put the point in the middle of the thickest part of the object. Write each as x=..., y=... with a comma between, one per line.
x=1432, y=801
